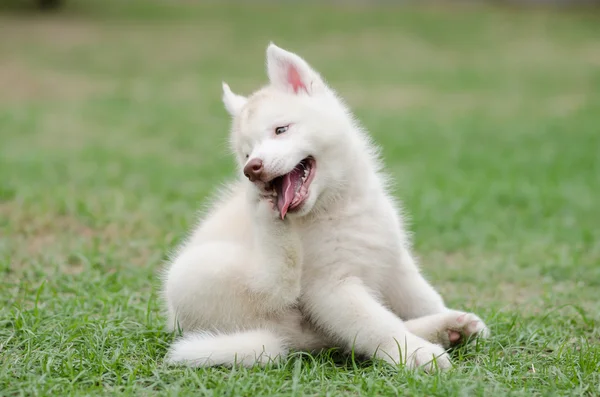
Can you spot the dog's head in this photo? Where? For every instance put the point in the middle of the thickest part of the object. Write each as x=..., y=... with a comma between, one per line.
x=289, y=137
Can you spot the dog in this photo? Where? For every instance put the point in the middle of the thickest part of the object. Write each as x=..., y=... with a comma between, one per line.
x=306, y=249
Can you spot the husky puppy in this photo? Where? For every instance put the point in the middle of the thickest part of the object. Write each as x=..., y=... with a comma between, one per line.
x=306, y=249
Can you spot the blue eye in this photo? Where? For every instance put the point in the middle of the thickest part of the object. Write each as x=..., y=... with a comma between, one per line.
x=281, y=130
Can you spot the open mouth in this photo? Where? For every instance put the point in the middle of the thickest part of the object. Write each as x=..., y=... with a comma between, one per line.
x=290, y=190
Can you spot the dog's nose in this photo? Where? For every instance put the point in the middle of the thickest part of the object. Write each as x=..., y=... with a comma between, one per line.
x=254, y=169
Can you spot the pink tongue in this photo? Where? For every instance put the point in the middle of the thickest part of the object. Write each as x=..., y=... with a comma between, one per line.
x=289, y=185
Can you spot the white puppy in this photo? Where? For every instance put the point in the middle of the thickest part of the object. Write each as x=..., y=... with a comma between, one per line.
x=307, y=249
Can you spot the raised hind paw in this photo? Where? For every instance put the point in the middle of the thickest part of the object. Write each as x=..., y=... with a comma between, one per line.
x=450, y=328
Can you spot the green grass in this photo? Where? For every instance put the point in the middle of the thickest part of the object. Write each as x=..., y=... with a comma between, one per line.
x=112, y=134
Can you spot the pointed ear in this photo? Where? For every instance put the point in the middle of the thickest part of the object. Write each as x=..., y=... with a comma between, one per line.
x=289, y=72
x=233, y=103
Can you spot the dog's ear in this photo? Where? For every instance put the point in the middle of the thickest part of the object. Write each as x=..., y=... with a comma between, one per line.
x=291, y=73
x=233, y=102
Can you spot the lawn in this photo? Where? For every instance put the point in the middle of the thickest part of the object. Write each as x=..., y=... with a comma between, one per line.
x=113, y=133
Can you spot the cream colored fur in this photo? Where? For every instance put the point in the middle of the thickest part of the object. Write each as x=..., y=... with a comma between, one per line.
x=248, y=287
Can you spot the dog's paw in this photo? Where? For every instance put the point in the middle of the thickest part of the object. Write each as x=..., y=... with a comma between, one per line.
x=460, y=327
x=429, y=357
x=269, y=205
x=264, y=207
x=417, y=353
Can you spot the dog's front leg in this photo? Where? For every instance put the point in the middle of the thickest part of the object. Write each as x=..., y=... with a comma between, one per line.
x=414, y=300
x=346, y=310
x=408, y=293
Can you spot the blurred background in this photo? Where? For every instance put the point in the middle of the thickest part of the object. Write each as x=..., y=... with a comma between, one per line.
x=112, y=134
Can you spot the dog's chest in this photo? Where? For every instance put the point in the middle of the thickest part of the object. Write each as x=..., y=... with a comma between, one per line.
x=348, y=247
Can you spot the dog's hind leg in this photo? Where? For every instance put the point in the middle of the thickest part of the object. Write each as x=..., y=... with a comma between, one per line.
x=227, y=294
x=449, y=328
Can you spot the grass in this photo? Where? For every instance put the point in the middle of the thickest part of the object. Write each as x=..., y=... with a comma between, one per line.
x=112, y=133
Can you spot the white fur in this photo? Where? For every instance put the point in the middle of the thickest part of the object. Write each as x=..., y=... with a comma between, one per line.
x=247, y=287
x=233, y=103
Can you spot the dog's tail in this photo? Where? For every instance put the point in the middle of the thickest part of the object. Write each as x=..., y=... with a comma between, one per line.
x=241, y=348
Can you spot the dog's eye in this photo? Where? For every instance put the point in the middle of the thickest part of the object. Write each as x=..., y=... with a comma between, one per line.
x=247, y=155
x=281, y=130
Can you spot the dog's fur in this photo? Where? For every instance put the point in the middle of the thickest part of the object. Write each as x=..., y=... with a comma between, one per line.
x=248, y=286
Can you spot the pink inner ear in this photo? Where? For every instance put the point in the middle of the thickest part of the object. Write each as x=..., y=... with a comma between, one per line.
x=295, y=80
